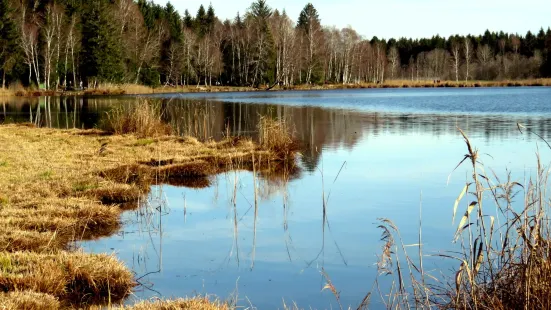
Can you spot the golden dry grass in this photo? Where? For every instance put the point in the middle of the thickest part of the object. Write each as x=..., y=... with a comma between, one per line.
x=197, y=303
x=70, y=276
x=144, y=119
x=275, y=135
x=28, y=300
x=59, y=186
x=426, y=84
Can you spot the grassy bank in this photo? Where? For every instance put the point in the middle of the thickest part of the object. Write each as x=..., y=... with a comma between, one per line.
x=61, y=186
x=134, y=89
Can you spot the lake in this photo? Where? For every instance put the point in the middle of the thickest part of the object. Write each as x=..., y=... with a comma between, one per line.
x=369, y=154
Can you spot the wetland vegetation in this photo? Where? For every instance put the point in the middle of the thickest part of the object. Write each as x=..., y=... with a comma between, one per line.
x=62, y=186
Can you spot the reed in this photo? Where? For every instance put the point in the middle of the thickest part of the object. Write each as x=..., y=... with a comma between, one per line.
x=503, y=255
x=144, y=119
x=276, y=135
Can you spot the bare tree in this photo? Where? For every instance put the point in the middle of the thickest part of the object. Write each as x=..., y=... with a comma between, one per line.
x=468, y=52
x=484, y=54
x=52, y=41
x=394, y=60
x=29, y=45
x=456, y=58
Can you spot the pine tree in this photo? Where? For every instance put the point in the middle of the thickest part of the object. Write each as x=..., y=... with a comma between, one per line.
x=201, y=21
x=101, y=49
x=310, y=26
x=8, y=40
x=188, y=20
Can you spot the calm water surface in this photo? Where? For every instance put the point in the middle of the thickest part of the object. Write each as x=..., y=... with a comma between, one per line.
x=371, y=153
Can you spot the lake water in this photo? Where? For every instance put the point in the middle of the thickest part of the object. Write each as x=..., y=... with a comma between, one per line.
x=372, y=153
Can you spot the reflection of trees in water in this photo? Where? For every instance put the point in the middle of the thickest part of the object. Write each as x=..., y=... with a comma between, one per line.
x=316, y=127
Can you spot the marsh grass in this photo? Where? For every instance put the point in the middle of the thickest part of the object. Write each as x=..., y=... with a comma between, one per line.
x=78, y=277
x=276, y=135
x=196, y=303
x=427, y=84
x=144, y=119
x=28, y=300
x=64, y=186
x=503, y=255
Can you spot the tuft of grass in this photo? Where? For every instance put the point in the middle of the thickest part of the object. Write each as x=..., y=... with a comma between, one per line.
x=46, y=175
x=196, y=303
x=28, y=300
x=144, y=142
x=275, y=135
x=75, y=277
x=3, y=163
x=144, y=119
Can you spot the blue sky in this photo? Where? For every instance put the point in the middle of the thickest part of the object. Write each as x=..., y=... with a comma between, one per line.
x=409, y=18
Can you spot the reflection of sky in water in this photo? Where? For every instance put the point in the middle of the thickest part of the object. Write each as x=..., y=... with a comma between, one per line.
x=467, y=100
x=398, y=145
x=384, y=176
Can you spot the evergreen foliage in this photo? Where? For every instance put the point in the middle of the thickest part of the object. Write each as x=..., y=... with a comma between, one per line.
x=140, y=41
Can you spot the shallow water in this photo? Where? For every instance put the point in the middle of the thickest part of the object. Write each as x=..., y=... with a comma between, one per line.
x=371, y=153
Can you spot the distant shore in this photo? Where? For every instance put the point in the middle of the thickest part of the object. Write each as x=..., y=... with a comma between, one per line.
x=134, y=89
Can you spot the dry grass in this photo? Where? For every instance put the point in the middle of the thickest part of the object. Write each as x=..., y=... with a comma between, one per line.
x=197, y=303
x=275, y=135
x=137, y=89
x=28, y=300
x=144, y=119
x=503, y=249
x=5, y=92
x=59, y=186
x=69, y=276
x=426, y=84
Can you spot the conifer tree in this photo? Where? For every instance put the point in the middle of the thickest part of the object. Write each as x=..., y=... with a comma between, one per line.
x=8, y=40
x=101, y=49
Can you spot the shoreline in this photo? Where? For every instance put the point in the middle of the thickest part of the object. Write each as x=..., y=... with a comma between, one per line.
x=77, y=187
x=132, y=89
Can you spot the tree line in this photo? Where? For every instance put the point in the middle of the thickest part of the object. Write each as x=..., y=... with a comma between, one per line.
x=56, y=43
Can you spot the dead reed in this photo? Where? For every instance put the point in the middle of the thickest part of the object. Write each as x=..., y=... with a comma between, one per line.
x=503, y=255
x=276, y=135
x=144, y=119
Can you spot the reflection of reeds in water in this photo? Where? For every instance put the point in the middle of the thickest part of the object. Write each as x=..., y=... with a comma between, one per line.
x=255, y=212
x=196, y=119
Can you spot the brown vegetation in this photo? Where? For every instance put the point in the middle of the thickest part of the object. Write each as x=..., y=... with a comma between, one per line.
x=503, y=254
x=136, y=89
x=60, y=186
x=197, y=303
x=28, y=300
x=426, y=84
x=144, y=119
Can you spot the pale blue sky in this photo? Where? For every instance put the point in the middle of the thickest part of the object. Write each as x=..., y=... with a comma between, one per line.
x=409, y=18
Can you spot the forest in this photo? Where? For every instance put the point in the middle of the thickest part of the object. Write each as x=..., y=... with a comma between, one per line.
x=55, y=44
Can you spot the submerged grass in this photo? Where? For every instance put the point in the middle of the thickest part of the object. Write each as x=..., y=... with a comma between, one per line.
x=66, y=185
